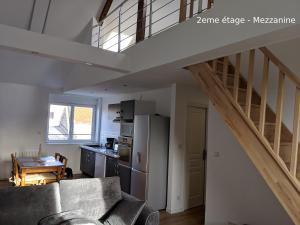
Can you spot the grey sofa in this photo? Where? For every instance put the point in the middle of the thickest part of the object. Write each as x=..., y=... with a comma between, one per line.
x=96, y=197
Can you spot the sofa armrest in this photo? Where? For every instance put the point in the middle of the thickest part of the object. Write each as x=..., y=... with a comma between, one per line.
x=148, y=216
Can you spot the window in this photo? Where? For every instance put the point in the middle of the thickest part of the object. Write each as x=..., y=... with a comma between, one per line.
x=73, y=122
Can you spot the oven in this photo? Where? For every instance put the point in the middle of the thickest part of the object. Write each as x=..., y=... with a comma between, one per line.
x=125, y=151
x=126, y=129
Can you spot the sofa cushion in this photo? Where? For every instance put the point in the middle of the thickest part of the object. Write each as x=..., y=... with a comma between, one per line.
x=74, y=217
x=27, y=205
x=125, y=212
x=148, y=216
x=95, y=196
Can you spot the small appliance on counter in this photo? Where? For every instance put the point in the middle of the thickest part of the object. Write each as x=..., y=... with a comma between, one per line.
x=110, y=143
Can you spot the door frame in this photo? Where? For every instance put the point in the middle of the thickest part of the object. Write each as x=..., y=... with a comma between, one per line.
x=185, y=193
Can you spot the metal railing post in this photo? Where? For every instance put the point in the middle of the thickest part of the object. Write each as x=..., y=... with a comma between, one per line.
x=119, y=30
x=99, y=37
x=150, y=18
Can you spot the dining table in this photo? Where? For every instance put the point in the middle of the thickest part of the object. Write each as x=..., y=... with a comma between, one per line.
x=34, y=165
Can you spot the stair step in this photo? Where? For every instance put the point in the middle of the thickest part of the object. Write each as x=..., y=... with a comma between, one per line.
x=285, y=151
x=220, y=65
x=288, y=165
x=270, y=133
x=243, y=94
x=255, y=113
x=230, y=80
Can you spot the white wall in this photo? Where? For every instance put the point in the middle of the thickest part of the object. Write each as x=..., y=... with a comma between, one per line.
x=201, y=42
x=236, y=192
x=23, y=125
x=161, y=97
x=182, y=97
x=172, y=102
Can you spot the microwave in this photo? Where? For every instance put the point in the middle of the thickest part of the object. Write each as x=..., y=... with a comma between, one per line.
x=126, y=129
x=125, y=151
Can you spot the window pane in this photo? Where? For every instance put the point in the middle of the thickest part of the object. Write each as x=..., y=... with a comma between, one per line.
x=83, y=120
x=59, y=122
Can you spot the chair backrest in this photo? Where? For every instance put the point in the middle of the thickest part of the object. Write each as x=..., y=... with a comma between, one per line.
x=62, y=159
x=15, y=170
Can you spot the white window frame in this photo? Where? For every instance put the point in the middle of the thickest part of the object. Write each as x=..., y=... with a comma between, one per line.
x=95, y=121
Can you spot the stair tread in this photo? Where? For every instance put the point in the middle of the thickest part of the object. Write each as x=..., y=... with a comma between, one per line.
x=252, y=105
x=240, y=89
x=228, y=74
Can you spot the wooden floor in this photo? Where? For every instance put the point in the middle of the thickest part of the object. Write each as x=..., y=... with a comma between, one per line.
x=193, y=216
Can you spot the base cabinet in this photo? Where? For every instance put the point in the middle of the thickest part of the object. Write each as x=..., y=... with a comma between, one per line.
x=112, y=167
x=98, y=165
x=125, y=178
x=87, y=162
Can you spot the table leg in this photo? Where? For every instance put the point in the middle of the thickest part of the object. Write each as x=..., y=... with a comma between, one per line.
x=59, y=169
x=23, y=173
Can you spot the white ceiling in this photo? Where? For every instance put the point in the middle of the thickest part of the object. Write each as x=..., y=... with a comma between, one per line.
x=147, y=80
x=30, y=69
x=16, y=12
x=66, y=18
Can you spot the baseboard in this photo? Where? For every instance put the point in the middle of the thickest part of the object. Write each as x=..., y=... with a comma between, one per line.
x=174, y=211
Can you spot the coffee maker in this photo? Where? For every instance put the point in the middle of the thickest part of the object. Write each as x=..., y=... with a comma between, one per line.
x=110, y=142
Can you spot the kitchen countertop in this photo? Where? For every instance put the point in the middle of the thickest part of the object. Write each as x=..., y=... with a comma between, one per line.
x=108, y=152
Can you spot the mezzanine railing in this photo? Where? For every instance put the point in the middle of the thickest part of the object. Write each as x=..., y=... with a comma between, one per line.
x=133, y=21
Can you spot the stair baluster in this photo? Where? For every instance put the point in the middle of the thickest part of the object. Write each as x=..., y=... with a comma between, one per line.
x=250, y=82
x=263, y=102
x=237, y=77
x=279, y=111
x=296, y=129
x=225, y=71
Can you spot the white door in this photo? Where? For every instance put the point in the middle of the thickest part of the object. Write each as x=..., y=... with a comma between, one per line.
x=195, y=162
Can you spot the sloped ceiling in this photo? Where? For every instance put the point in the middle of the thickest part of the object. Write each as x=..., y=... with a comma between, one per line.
x=16, y=12
x=66, y=18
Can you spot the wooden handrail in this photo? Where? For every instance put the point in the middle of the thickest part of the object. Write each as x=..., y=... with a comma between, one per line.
x=281, y=66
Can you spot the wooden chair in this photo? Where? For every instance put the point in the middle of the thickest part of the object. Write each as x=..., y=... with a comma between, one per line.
x=63, y=160
x=30, y=179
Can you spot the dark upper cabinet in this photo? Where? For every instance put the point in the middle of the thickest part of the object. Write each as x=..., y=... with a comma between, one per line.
x=127, y=110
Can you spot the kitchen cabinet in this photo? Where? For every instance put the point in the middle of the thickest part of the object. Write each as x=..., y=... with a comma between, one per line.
x=127, y=110
x=100, y=165
x=112, y=167
x=125, y=178
x=87, y=162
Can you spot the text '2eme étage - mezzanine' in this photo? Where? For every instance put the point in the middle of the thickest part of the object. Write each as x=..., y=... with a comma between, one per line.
x=243, y=20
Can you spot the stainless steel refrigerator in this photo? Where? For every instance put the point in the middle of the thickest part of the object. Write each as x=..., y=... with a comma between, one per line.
x=149, y=173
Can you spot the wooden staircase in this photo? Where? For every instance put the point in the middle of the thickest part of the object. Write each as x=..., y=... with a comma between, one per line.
x=271, y=146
